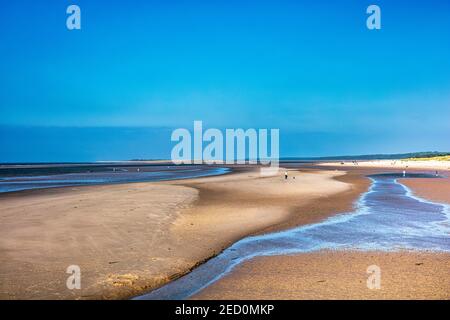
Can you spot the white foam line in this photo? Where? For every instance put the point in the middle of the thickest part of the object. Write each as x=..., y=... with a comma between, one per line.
x=360, y=209
x=411, y=194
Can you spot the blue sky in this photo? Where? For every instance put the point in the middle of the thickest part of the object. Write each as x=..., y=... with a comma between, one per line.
x=310, y=68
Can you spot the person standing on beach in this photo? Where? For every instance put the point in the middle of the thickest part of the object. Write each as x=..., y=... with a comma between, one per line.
x=285, y=175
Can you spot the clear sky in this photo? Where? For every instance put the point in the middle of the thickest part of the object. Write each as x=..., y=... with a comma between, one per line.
x=310, y=68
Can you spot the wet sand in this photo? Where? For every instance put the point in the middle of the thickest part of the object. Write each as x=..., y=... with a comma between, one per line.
x=336, y=275
x=131, y=238
x=431, y=189
x=342, y=274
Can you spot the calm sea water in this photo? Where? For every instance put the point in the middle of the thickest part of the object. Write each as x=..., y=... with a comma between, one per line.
x=387, y=217
x=25, y=177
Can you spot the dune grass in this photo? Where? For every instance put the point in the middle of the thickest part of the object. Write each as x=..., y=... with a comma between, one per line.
x=439, y=158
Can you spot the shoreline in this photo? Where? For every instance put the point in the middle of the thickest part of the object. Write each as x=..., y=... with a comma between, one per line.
x=135, y=257
x=63, y=180
x=45, y=231
x=332, y=275
x=342, y=274
x=435, y=190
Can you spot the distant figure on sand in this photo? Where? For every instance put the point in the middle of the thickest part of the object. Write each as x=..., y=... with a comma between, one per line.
x=285, y=175
x=404, y=173
x=437, y=173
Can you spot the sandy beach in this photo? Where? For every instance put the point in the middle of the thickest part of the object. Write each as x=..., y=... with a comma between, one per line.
x=342, y=274
x=336, y=275
x=131, y=238
x=391, y=164
x=431, y=189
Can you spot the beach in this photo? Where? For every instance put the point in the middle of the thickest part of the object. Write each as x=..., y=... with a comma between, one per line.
x=336, y=275
x=343, y=274
x=401, y=164
x=130, y=238
x=172, y=151
x=431, y=189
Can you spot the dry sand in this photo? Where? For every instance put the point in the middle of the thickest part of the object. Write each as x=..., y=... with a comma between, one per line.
x=392, y=164
x=130, y=238
x=336, y=275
